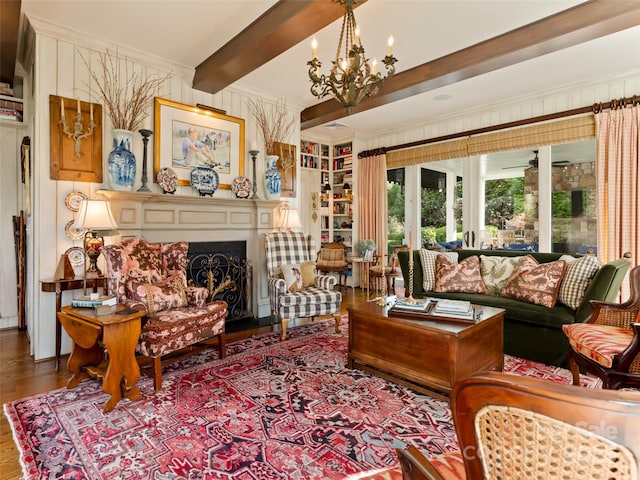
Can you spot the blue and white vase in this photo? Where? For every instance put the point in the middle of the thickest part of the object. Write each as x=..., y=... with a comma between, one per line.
x=122, y=163
x=272, y=178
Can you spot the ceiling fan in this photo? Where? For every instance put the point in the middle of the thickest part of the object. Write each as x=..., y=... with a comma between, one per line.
x=533, y=163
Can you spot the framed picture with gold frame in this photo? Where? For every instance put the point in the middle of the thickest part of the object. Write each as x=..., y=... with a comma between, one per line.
x=287, y=161
x=187, y=137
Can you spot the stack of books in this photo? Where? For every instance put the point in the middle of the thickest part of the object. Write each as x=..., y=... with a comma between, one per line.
x=420, y=305
x=102, y=305
x=458, y=308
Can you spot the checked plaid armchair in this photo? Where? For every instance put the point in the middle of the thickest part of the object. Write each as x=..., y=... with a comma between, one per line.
x=316, y=297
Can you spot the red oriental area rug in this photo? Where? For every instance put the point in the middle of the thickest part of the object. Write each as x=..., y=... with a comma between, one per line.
x=270, y=410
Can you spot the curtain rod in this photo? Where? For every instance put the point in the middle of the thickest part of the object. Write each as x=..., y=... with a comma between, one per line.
x=595, y=108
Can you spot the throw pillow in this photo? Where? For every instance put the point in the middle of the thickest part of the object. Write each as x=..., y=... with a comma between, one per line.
x=166, y=294
x=459, y=277
x=535, y=283
x=496, y=271
x=308, y=270
x=292, y=275
x=428, y=262
x=580, y=272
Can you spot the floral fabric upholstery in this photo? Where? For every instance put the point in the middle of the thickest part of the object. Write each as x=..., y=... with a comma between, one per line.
x=459, y=277
x=535, y=283
x=598, y=342
x=152, y=276
x=170, y=330
x=165, y=294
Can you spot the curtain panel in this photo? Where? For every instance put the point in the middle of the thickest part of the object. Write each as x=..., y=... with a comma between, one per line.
x=372, y=200
x=618, y=184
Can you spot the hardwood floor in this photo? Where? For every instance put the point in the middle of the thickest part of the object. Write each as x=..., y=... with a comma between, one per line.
x=21, y=377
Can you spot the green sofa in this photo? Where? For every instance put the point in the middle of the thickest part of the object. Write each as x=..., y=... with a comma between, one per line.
x=530, y=331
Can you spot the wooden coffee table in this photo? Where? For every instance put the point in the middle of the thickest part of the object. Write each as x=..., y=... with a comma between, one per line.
x=429, y=354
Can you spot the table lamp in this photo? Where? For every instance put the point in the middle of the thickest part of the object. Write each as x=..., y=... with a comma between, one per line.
x=289, y=219
x=93, y=216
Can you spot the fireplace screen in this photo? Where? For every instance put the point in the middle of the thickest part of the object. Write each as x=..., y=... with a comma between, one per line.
x=222, y=268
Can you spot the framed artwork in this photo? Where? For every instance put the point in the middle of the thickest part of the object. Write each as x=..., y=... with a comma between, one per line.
x=188, y=137
x=287, y=161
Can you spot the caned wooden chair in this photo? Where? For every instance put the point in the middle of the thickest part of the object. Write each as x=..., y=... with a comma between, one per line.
x=332, y=258
x=391, y=270
x=608, y=343
x=512, y=428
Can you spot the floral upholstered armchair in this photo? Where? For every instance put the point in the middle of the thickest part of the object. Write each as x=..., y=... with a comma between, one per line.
x=295, y=289
x=152, y=277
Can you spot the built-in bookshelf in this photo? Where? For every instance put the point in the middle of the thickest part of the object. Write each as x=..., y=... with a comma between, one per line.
x=11, y=103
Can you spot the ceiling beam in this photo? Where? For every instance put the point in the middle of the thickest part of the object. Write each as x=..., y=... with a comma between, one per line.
x=9, y=24
x=285, y=24
x=584, y=22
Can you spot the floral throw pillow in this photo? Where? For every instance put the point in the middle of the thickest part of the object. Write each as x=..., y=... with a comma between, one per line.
x=496, y=271
x=428, y=262
x=292, y=275
x=166, y=294
x=535, y=283
x=459, y=277
x=579, y=273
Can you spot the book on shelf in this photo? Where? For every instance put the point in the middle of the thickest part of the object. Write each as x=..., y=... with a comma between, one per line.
x=87, y=302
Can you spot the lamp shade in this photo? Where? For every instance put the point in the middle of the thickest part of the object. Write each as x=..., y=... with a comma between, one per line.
x=289, y=218
x=95, y=215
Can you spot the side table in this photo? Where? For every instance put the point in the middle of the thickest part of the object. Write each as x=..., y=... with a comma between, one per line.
x=365, y=272
x=104, y=347
x=62, y=285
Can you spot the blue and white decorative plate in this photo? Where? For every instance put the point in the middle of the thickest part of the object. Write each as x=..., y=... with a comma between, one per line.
x=241, y=186
x=205, y=180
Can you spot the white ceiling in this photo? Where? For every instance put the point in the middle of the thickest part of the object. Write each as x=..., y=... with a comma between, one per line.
x=188, y=31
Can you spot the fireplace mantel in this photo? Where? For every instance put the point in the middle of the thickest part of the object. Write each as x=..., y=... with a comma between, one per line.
x=170, y=218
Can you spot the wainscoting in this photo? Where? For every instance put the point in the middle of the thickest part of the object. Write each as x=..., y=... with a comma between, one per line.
x=171, y=218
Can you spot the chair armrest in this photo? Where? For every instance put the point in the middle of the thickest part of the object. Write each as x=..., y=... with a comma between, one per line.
x=278, y=285
x=196, y=296
x=134, y=305
x=629, y=354
x=415, y=466
x=326, y=281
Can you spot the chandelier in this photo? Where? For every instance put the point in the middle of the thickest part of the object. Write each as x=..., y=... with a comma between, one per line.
x=352, y=76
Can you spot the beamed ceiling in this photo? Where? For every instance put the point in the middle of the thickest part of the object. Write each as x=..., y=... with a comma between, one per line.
x=440, y=44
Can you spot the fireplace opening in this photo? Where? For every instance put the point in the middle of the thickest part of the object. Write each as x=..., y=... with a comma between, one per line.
x=223, y=268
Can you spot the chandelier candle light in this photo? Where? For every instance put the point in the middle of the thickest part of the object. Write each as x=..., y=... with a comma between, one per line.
x=352, y=76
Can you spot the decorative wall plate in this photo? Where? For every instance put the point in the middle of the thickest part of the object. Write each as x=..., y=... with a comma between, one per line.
x=75, y=255
x=74, y=233
x=205, y=180
x=241, y=186
x=167, y=179
x=73, y=200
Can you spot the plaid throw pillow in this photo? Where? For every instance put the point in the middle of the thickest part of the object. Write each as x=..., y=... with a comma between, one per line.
x=580, y=272
x=428, y=262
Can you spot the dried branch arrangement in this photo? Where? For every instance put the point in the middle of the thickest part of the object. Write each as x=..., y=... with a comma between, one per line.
x=274, y=123
x=125, y=94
